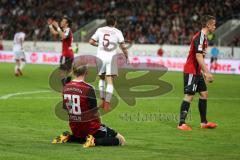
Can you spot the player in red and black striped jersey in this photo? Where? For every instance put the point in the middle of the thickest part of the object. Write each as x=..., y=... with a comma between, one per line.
x=65, y=33
x=80, y=100
x=194, y=79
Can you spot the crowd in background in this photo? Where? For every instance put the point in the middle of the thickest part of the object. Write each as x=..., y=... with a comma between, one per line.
x=142, y=21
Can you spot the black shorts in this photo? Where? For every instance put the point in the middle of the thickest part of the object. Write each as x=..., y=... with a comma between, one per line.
x=105, y=131
x=194, y=83
x=213, y=59
x=66, y=63
x=102, y=132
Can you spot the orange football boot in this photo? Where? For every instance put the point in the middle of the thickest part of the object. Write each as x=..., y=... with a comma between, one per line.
x=184, y=127
x=209, y=125
x=106, y=106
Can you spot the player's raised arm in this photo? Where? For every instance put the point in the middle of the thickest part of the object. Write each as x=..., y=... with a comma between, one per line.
x=52, y=30
x=60, y=32
x=50, y=25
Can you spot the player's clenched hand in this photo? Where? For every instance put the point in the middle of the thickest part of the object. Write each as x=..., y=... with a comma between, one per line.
x=55, y=24
x=49, y=21
x=208, y=77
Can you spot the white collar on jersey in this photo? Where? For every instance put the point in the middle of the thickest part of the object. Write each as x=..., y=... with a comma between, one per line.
x=203, y=33
x=77, y=80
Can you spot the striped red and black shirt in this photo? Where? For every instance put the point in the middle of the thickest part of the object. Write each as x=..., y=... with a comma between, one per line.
x=199, y=44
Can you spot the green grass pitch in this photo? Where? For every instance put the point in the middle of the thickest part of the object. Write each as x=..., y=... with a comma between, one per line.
x=28, y=123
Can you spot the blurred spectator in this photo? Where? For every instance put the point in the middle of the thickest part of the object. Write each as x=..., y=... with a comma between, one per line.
x=211, y=38
x=236, y=41
x=160, y=52
x=1, y=45
x=1, y=38
x=214, y=57
x=142, y=21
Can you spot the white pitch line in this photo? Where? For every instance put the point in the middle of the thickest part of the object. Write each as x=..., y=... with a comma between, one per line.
x=7, y=96
x=12, y=96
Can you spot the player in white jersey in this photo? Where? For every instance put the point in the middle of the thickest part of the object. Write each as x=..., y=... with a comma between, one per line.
x=19, y=52
x=107, y=39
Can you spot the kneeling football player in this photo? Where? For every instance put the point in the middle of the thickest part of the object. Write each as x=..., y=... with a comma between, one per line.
x=84, y=121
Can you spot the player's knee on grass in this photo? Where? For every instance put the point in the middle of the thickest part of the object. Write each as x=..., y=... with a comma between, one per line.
x=118, y=140
x=121, y=139
x=188, y=98
x=203, y=95
x=74, y=139
x=107, y=141
x=106, y=136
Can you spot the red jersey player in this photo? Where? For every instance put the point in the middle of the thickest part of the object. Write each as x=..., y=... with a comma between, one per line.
x=66, y=36
x=84, y=121
x=194, y=80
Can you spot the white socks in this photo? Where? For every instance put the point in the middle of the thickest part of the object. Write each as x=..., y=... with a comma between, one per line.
x=101, y=86
x=109, y=92
x=16, y=68
x=22, y=65
x=19, y=66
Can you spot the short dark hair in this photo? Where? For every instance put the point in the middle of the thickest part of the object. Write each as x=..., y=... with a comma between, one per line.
x=79, y=68
x=205, y=19
x=110, y=20
x=69, y=20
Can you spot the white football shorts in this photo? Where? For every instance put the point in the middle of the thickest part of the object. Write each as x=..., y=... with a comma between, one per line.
x=19, y=55
x=108, y=65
